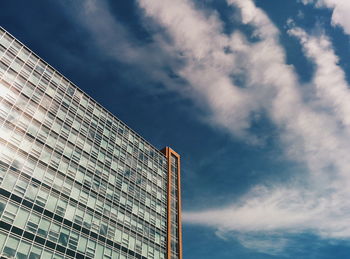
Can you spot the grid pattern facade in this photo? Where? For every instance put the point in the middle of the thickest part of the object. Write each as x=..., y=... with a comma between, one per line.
x=75, y=182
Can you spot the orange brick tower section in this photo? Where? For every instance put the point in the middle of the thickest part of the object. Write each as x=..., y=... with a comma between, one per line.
x=174, y=238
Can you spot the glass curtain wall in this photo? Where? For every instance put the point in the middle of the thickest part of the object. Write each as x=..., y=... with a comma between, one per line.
x=75, y=182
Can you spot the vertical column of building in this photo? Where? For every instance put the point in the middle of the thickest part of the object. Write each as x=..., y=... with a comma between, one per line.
x=174, y=240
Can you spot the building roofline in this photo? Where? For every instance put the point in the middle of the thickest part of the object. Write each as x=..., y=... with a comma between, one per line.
x=73, y=84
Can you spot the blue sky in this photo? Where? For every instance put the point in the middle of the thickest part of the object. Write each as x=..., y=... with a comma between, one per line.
x=254, y=95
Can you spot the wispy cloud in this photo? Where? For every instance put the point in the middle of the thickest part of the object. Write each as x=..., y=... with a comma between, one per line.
x=341, y=10
x=147, y=62
x=313, y=131
x=268, y=244
x=198, y=41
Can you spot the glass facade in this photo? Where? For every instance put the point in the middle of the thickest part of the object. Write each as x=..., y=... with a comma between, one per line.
x=75, y=182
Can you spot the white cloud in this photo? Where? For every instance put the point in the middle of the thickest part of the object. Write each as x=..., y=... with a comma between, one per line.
x=107, y=31
x=268, y=244
x=315, y=136
x=114, y=40
x=341, y=11
x=329, y=80
x=280, y=210
x=307, y=1
x=198, y=38
x=314, y=132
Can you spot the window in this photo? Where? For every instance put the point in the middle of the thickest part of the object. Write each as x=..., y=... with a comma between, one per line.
x=23, y=250
x=35, y=253
x=82, y=244
x=31, y=192
x=144, y=249
x=21, y=218
x=24, y=54
x=6, y=40
x=103, y=229
x=20, y=187
x=33, y=222
x=75, y=192
x=73, y=240
x=79, y=216
x=46, y=254
x=131, y=243
x=87, y=220
x=43, y=227
x=9, y=181
x=63, y=238
x=51, y=204
x=11, y=246
x=70, y=212
x=54, y=232
x=91, y=248
x=118, y=236
x=61, y=207
x=10, y=213
x=42, y=197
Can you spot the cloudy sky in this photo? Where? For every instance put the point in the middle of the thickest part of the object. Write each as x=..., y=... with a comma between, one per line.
x=254, y=95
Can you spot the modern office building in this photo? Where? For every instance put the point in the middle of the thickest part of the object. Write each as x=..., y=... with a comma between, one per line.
x=76, y=182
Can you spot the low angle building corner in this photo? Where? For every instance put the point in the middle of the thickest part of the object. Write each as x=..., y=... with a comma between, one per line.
x=75, y=181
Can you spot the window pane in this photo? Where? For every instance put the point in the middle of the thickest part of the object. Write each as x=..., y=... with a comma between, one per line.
x=2, y=240
x=23, y=250
x=82, y=244
x=21, y=218
x=11, y=246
